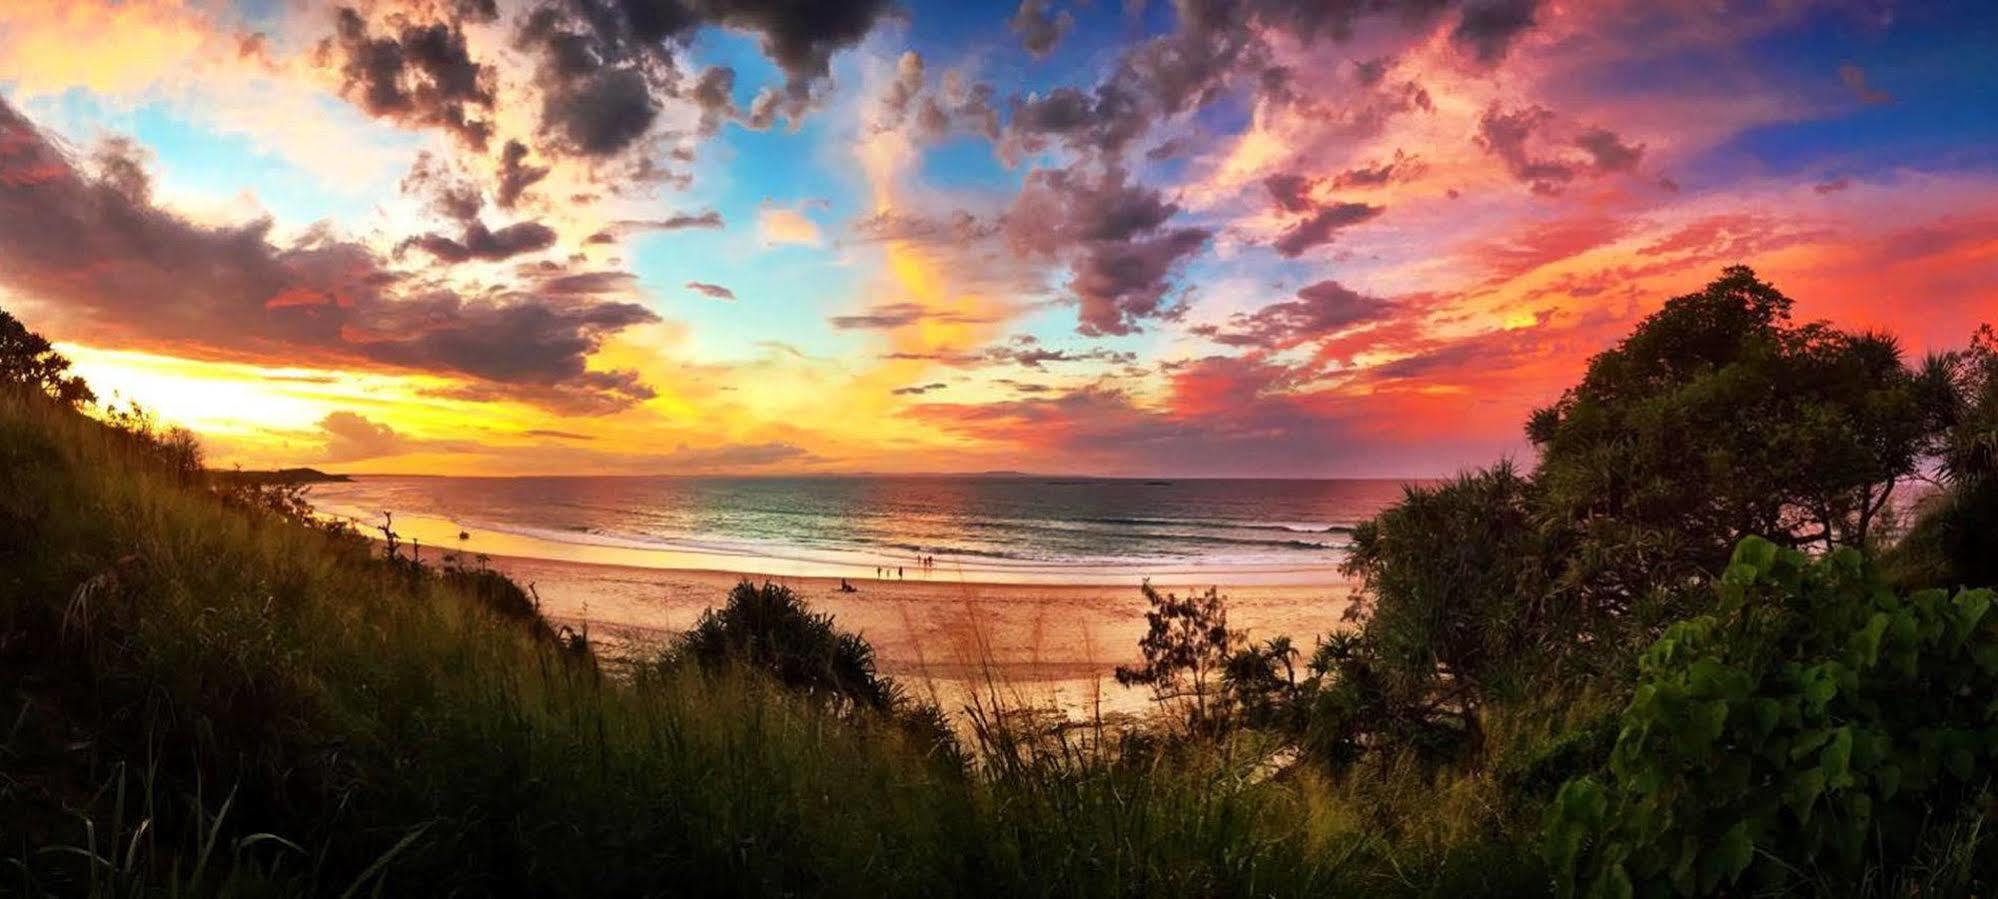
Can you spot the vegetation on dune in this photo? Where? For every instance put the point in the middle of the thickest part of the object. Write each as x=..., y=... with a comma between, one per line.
x=1592, y=678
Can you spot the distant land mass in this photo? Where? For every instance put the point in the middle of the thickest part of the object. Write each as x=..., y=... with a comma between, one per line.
x=280, y=476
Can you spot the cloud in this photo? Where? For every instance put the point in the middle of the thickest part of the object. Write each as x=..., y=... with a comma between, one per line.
x=108, y=264
x=728, y=457
x=606, y=66
x=352, y=437
x=484, y=244
x=1219, y=415
x=1039, y=28
x=708, y=220
x=1112, y=233
x=1321, y=226
x=1608, y=152
x=1320, y=310
x=1508, y=135
x=420, y=75
x=516, y=175
x=778, y=225
x=711, y=291
x=1401, y=169
x=917, y=390
x=1854, y=79
x=889, y=316
x=1832, y=186
x=444, y=188
x=1487, y=28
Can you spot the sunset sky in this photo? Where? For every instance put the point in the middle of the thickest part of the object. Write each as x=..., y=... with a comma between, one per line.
x=1203, y=237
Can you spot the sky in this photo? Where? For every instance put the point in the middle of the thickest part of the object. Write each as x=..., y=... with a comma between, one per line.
x=1348, y=238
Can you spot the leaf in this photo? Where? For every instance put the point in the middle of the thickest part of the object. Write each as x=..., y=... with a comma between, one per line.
x=1730, y=856
x=1836, y=759
x=1756, y=553
x=1866, y=643
x=1889, y=779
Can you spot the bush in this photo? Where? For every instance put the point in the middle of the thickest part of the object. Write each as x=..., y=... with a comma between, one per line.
x=1816, y=728
x=770, y=629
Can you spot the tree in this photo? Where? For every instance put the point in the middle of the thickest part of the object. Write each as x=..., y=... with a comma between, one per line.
x=1718, y=417
x=1954, y=540
x=1187, y=645
x=27, y=360
x=1455, y=595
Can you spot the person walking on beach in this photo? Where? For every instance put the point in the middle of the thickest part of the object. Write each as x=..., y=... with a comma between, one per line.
x=899, y=574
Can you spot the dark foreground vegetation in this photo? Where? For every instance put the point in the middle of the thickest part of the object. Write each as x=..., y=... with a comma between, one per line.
x=1705, y=647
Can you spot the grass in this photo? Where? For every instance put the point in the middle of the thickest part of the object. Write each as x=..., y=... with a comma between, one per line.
x=205, y=700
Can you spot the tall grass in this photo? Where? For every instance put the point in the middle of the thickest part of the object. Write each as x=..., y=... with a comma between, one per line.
x=372, y=731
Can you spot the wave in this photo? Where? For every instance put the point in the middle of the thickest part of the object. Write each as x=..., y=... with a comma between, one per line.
x=1237, y=525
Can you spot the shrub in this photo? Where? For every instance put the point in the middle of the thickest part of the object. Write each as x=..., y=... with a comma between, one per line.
x=769, y=628
x=1187, y=646
x=1816, y=726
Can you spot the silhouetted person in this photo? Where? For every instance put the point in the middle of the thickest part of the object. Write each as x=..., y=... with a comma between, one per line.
x=899, y=574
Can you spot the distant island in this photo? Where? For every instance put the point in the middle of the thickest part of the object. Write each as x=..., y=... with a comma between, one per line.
x=279, y=476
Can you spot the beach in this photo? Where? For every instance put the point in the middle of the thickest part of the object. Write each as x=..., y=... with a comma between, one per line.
x=1044, y=643
x=1032, y=584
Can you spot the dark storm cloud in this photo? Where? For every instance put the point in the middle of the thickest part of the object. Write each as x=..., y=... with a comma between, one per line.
x=1322, y=226
x=104, y=263
x=1039, y=27
x=421, y=74
x=1320, y=310
x=484, y=244
x=1487, y=28
x=711, y=291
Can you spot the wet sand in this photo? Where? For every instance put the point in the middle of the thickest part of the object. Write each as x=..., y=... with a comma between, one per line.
x=940, y=636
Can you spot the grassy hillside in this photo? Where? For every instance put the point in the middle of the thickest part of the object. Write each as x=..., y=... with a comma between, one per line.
x=204, y=698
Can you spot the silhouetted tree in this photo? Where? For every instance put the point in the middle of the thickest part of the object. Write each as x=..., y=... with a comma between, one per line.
x=27, y=360
x=1719, y=418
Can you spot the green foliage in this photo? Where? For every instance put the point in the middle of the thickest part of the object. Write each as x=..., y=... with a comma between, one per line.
x=768, y=628
x=1954, y=541
x=1807, y=732
x=28, y=361
x=1717, y=418
x=1455, y=590
x=1187, y=647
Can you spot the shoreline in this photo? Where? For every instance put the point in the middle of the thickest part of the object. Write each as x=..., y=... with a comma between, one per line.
x=449, y=535
x=1054, y=644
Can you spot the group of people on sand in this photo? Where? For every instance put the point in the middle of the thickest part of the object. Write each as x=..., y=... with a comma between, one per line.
x=899, y=572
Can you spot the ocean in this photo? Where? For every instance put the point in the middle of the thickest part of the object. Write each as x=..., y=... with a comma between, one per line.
x=989, y=529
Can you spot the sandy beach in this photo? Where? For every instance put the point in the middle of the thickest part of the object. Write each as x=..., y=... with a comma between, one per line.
x=1043, y=642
